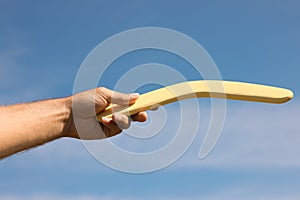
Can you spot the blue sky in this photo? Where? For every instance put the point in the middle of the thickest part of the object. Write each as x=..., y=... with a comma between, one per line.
x=43, y=43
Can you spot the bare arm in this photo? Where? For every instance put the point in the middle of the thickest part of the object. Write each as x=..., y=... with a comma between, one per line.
x=24, y=126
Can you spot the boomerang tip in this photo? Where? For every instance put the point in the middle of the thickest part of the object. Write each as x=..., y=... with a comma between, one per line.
x=289, y=95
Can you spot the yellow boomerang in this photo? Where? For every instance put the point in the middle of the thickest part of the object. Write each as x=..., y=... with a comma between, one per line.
x=202, y=89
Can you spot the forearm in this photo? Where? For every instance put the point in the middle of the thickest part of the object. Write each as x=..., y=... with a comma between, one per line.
x=24, y=126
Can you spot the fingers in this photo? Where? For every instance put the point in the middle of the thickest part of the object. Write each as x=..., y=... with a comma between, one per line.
x=117, y=97
x=119, y=122
x=139, y=117
x=109, y=127
x=115, y=125
x=124, y=99
x=86, y=103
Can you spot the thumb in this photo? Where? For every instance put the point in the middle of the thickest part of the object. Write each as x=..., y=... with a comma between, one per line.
x=116, y=97
x=123, y=99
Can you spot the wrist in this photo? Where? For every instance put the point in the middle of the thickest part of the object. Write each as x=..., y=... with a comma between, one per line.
x=67, y=116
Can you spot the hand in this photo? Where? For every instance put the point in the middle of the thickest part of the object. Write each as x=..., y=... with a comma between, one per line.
x=85, y=105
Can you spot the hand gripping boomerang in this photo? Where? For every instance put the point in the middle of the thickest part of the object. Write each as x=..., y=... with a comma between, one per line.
x=201, y=89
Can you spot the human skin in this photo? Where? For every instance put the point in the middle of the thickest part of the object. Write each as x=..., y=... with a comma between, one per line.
x=24, y=126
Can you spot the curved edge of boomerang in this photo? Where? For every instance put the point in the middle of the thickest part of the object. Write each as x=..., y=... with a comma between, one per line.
x=202, y=89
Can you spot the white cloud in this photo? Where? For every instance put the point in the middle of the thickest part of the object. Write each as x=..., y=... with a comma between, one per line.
x=246, y=193
x=254, y=136
x=56, y=197
x=79, y=197
x=249, y=193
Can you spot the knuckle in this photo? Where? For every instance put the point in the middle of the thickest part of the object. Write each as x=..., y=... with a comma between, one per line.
x=120, y=97
x=101, y=89
x=125, y=98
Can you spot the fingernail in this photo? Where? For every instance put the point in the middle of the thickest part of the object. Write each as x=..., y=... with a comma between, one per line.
x=105, y=119
x=134, y=95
